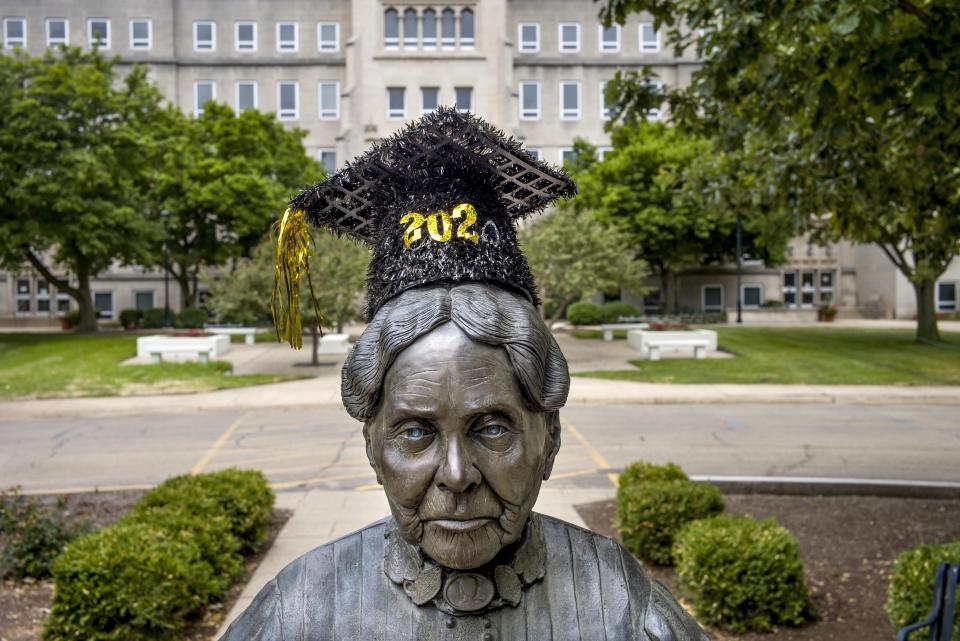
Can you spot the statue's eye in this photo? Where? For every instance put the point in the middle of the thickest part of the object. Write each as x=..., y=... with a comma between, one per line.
x=415, y=432
x=493, y=430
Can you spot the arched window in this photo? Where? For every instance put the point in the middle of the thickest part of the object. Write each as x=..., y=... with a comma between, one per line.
x=448, y=29
x=466, y=28
x=410, y=29
x=391, y=28
x=429, y=28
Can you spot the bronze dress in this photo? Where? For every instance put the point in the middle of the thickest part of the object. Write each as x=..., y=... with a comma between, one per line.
x=569, y=584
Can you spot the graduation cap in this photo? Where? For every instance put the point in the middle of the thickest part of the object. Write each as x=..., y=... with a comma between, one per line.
x=437, y=202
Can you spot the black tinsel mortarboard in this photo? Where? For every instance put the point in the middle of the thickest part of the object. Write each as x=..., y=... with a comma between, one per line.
x=436, y=202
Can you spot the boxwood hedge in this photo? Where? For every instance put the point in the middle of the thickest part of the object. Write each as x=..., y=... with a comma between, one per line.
x=144, y=577
x=910, y=593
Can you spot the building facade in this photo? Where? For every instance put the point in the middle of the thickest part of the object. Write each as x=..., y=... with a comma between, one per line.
x=351, y=71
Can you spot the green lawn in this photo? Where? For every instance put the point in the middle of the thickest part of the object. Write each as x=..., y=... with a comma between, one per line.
x=810, y=355
x=66, y=365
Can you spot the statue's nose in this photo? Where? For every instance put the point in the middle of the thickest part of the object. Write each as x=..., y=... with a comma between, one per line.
x=457, y=473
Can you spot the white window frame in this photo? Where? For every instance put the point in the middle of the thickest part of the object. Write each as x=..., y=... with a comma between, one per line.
x=213, y=36
x=391, y=42
x=604, y=110
x=427, y=42
x=336, y=37
x=296, y=37
x=113, y=305
x=18, y=42
x=469, y=41
x=410, y=42
x=52, y=42
x=703, y=298
x=134, y=42
x=560, y=42
x=743, y=295
x=335, y=113
x=61, y=297
x=603, y=151
x=423, y=108
x=106, y=41
x=197, y=107
x=236, y=95
x=525, y=115
x=956, y=296
x=17, y=295
x=646, y=47
x=521, y=47
x=323, y=150
x=602, y=44
x=536, y=152
x=40, y=297
x=398, y=114
x=448, y=42
x=287, y=115
x=562, y=152
x=655, y=114
x=153, y=297
x=570, y=114
x=236, y=36
x=455, y=92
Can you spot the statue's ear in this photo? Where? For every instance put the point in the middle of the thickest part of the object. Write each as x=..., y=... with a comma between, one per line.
x=553, y=442
x=369, y=448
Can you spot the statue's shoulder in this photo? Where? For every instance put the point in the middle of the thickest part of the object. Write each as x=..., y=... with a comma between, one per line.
x=628, y=597
x=318, y=582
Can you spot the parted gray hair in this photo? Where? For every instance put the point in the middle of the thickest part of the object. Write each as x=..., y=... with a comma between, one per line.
x=486, y=313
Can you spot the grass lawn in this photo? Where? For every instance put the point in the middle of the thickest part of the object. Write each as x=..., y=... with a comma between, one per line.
x=618, y=334
x=67, y=365
x=810, y=355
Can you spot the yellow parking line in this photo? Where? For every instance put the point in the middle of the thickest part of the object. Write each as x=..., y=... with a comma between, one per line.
x=283, y=485
x=210, y=453
x=567, y=475
x=367, y=488
x=593, y=453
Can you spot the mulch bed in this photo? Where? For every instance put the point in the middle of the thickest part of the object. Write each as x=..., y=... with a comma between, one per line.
x=24, y=605
x=848, y=544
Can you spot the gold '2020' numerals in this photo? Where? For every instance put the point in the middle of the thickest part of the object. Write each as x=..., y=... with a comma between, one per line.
x=440, y=225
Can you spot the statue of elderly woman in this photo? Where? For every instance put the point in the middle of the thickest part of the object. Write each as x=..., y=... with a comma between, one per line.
x=458, y=384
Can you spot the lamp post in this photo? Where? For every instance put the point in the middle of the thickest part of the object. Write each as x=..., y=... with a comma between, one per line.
x=739, y=269
x=166, y=271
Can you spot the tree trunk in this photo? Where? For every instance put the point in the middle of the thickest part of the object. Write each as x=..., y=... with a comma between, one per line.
x=927, y=329
x=339, y=326
x=664, y=289
x=560, y=311
x=84, y=298
x=315, y=335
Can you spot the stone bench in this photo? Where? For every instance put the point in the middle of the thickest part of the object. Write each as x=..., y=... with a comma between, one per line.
x=611, y=327
x=654, y=343
x=334, y=344
x=182, y=348
x=249, y=333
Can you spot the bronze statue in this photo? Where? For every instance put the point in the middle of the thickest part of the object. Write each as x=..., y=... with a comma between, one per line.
x=458, y=384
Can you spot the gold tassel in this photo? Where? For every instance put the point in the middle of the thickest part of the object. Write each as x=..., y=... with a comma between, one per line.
x=294, y=245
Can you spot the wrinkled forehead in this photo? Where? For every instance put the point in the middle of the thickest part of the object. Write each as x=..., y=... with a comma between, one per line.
x=446, y=370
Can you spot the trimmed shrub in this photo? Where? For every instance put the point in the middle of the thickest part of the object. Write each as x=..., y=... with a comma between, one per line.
x=128, y=581
x=144, y=577
x=742, y=573
x=910, y=593
x=32, y=535
x=585, y=313
x=191, y=318
x=73, y=318
x=152, y=318
x=130, y=317
x=243, y=497
x=649, y=514
x=612, y=311
x=641, y=471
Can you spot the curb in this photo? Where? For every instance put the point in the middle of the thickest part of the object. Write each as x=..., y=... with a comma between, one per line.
x=815, y=486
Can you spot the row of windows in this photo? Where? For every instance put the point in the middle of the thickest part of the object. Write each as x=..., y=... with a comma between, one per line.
x=99, y=32
x=430, y=99
x=420, y=29
x=569, y=41
x=30, y=299
x=246, y=96
x=571, y=100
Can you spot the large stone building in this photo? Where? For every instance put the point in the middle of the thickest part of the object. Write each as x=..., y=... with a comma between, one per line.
x=352, y=71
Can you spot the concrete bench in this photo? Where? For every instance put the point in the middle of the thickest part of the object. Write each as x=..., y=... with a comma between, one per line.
x=337, y=344
x=611, y=327
x=249, y=333
x=654, y=343
x=182, y=348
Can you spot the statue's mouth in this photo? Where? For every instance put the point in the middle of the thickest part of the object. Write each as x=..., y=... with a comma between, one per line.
x=460, y=525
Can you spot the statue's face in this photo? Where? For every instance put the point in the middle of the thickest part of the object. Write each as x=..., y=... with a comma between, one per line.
x=459, y=455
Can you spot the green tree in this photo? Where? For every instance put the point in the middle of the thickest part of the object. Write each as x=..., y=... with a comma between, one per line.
x=572, y=253
x=76, y=144
x=664, y=189
x=848, y=108
x=338, y=270
x=222, y=180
